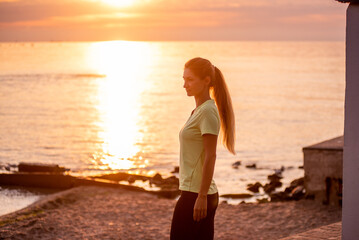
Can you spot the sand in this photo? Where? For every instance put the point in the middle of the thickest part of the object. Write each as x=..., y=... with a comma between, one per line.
x=90, y=212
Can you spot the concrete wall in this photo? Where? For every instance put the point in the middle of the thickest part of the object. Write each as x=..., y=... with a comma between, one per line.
x=323, y=171
x=350, y=217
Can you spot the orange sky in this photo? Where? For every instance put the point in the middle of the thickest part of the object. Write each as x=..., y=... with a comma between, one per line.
x=146, y=20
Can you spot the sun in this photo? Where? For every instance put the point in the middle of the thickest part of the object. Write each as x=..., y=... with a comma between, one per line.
x=119, y=3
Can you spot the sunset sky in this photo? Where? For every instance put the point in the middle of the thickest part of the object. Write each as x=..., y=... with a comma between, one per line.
x=147, y=20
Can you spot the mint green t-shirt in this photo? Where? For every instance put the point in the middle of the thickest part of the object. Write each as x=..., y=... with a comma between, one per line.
x=205, y=119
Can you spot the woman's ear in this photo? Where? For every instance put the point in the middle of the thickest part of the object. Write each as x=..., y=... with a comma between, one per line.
x=207, y=80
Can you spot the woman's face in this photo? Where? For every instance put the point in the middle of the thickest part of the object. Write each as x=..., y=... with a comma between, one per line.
x=193, y=84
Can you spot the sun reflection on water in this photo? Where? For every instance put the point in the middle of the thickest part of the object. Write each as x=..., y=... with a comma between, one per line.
x=126, y=65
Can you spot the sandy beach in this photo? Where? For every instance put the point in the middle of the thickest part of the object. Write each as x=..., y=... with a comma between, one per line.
x=91, y=212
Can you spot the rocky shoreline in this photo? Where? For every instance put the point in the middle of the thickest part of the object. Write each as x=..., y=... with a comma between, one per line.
x=52, y=173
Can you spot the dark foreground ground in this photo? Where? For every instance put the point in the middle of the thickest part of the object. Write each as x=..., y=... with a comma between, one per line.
x=91, y=212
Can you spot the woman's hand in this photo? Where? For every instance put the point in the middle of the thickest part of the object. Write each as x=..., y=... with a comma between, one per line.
x=200, y=208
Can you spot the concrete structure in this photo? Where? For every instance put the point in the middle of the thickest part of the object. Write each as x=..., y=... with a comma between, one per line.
x=350, y=217
x=323, y=171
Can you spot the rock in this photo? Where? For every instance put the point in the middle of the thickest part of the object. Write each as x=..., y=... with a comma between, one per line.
x=40, y=167
x=262, y=200
x=298, y=192
x=171, y=180
x=268, y=188
x=251, y=165
x=7, y=168
x=297, y=182
x=238, y=195
x=236, y=164
x=275, y=177
x=300, y=167
x=254, y=187
x=242, y=202
x=288, y=190
x=294, y=184
x=276, y=184
x=176, y=169
x=157, y=177
x=273, y=182
x=131, y=179
x=170, y=183
x=279, y=196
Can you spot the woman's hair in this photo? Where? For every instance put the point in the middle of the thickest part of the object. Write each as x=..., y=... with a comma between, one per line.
x=218, y=89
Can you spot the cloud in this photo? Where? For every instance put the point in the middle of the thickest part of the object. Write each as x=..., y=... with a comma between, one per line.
x=194, y=19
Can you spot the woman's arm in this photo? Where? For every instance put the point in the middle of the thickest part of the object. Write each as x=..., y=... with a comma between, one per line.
x=210, y=145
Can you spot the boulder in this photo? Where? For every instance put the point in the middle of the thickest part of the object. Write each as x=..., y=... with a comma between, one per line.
x=40, y=167
x=288, y=189
x=276, y=184
x=279, y=196
x=254, y=187
x=176, y=169
x=272, y=185
x=297, y=182
x=236, y=164
x=298, y=192
x=170, y=183
x=157, y=177
x=251, y=165
x=294, y=184
x=131, y=179
x=275, y=177
x=268, y=188
x=172, y=180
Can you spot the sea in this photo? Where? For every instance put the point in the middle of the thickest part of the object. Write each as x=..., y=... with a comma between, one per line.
x=118, y=106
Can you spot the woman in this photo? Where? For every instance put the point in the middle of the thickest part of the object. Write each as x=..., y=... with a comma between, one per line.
x=193, y=216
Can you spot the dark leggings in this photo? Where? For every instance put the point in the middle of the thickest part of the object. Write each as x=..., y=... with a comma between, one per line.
x=183, y=227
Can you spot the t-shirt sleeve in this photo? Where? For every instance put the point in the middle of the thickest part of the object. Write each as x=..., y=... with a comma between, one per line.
x=209, y=122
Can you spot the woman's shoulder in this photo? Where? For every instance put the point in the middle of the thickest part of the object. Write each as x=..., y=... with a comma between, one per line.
x=210, y=108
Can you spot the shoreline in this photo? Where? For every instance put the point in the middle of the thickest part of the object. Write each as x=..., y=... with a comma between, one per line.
x=53, y=176
x=157, y=184
x=96, y=212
